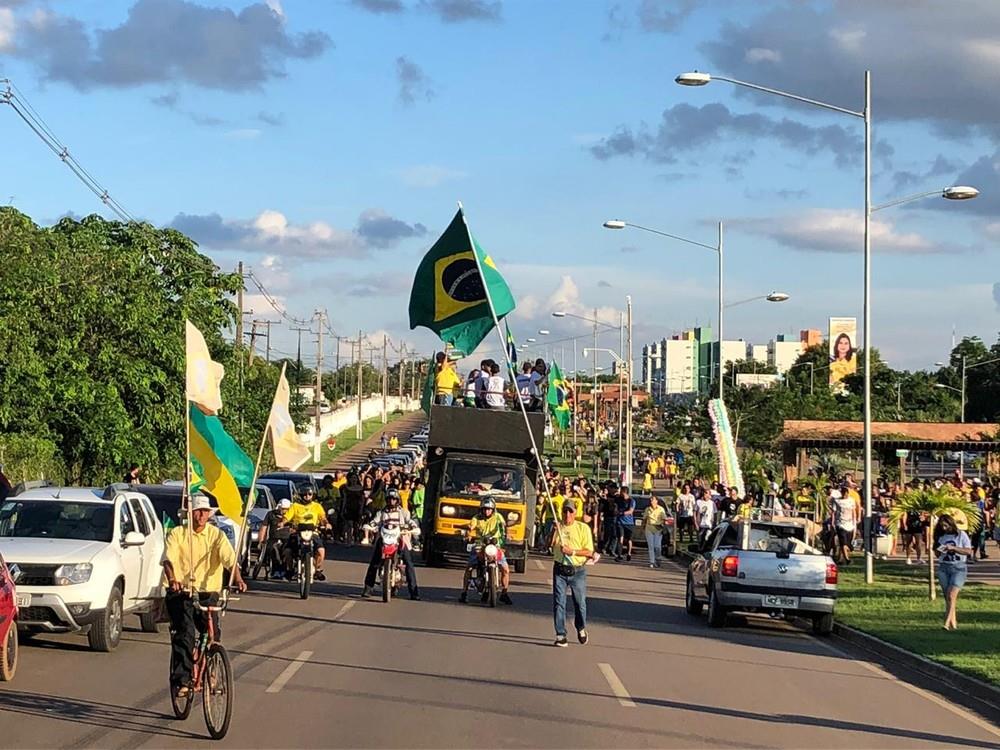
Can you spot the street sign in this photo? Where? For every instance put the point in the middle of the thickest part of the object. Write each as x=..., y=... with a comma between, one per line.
x=331, y=443
x=902, y=453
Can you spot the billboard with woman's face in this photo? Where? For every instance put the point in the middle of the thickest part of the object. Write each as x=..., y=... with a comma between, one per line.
x=843, y=352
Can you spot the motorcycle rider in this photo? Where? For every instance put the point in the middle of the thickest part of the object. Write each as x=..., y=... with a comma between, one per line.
x=393, y=514
x=276, y=533
x=305, y=510
x=488, y=524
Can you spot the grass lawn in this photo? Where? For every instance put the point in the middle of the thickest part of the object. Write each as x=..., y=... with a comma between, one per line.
x=896, y=609
x=564, y=465
x=347, y=439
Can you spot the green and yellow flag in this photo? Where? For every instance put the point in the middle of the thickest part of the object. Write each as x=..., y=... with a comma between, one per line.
x=559, y=397
x=449, y=293
x=218, y=465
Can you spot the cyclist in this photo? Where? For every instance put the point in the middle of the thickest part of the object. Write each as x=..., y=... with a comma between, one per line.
x=193, y=564
x=305, y=510
x=392, y=515
x=276, y=533
x=487, y=524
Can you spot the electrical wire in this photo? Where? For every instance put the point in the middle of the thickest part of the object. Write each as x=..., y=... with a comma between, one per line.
x=12, y=96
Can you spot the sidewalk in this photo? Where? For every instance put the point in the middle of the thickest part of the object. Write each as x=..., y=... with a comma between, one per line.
x=981, y=571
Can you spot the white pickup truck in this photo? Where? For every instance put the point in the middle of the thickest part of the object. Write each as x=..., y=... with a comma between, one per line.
x=764, y=567
x=87, y=557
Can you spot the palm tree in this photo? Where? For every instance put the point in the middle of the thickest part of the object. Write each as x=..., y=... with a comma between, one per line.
x=935, y=502
x=700, y=461
x=830, y=464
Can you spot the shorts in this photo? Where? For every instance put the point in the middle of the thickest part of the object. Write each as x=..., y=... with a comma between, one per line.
x=845, y=537
x=474, y=559
x=951, y=576
x=627, y=532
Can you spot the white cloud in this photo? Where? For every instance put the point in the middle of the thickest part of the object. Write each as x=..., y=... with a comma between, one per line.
x=849, y=40
x=429, y=175
x=763, y=54
x=839, y=231
x=6, y=29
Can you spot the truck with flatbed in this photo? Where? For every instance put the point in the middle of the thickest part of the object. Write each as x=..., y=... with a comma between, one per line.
x=473, y=454
x=762, y=566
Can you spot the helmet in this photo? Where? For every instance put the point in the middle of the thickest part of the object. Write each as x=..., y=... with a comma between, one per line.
x=284, y=504
x=392, y=496
x=487, y=504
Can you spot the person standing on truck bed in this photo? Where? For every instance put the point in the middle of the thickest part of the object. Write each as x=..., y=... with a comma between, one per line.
x=446, y=380
x=494, y=389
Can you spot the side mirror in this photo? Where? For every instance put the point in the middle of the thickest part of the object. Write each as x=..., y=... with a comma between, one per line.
x=695, y=548
x=14, y=570
x=133, y=539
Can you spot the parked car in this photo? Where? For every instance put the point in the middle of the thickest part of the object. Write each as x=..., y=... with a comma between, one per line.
x=300, y=478
x=87, y=558
x=9, y=600
x=762, y=567
x=166, y=500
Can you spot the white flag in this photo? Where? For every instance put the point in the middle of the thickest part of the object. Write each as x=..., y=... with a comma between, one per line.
x=204, y=375
x=290, y=452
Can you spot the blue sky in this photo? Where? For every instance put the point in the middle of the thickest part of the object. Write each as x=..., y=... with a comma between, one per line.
x=325, y=145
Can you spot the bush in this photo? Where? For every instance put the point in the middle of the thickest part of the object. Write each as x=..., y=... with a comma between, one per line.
x=26, y=457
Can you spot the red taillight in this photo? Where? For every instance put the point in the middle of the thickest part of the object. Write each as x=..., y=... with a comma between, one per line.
x=730, y=565
x=831, y=572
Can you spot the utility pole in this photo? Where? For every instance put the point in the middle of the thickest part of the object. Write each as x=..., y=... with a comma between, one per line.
x=358, y=430
x=402, y=369
x=298, y=356
x=267, y=336
x=318, y=397
x=239, y=304
x=628, y=408
x=253, y=341
x=385, y=378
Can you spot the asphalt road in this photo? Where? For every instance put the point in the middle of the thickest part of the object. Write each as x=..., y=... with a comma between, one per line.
x=339, y=671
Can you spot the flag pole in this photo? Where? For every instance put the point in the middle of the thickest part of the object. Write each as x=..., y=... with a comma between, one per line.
x=506, y=355
x=252, y=492
x=186, y=494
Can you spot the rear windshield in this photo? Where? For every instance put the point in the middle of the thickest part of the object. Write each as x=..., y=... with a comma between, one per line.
x=279, y=490
x=48, y=519
x=780, y=539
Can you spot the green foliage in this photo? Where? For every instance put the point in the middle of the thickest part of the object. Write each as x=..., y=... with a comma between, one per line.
x=92, y=326
x=26, y=457
x=935, y=501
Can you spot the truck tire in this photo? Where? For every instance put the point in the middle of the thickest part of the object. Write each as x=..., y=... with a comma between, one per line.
x=521, y=564
x=823, y=624
x=691, y=604
x=716, y=612
x=105, y=634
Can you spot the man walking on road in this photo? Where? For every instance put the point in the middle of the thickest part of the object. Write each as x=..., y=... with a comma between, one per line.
x=572, y=547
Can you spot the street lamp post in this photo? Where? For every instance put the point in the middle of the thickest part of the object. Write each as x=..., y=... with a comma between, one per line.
x=701, y=79
x=812, y=372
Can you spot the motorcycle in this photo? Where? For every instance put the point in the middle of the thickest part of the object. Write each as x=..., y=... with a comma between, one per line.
x=304, y=559
x=485, y=576
x=391, y=571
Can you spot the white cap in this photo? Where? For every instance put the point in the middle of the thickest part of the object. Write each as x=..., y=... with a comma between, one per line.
x=285, y=504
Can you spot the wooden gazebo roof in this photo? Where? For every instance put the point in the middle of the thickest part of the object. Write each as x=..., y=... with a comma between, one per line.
x=800, y=433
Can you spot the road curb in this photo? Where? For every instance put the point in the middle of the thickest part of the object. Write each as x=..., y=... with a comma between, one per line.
x=959, y=680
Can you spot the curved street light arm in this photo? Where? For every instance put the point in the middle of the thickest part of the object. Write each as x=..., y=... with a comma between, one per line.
x=980, y=364
x=744, y=301
x=907, y=199
x=785, y=94
x=713, y=248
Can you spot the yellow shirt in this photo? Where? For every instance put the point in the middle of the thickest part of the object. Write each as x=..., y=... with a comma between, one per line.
x=302, y=513
x=578, y=536
x=654, y=519
x=212, y=554
x=404, y=499
x=393, y=442
x=338, y=483
x=446, y=381
x=647, y=482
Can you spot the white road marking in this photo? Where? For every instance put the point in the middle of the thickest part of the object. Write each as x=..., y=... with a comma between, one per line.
x=289, y=672
x=343, y=610
x=539, y=564
x=937, y=700
x=616, y=686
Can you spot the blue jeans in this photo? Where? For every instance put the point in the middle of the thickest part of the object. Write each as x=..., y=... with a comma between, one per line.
x=444, y=399
x=577, y=583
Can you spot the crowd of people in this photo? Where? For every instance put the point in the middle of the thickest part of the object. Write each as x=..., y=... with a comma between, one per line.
x=486, y=388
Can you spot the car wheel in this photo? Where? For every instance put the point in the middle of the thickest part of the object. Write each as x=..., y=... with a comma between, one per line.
x=105, y=634
x=716, y=612
x=8, y=654
x=823, y=624
x=691, y=604
x=149, y=622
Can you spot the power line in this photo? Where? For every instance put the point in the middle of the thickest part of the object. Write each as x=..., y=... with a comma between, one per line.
x=273, y=302
x=12, y=95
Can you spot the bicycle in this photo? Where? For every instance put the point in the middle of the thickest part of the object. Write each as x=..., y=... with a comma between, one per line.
x=211, y=675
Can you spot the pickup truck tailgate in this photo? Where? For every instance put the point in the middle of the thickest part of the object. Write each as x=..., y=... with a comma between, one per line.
x=800, y=573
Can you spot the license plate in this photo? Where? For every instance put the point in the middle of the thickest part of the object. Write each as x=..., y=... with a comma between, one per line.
x=22, y=600
x=785, y=602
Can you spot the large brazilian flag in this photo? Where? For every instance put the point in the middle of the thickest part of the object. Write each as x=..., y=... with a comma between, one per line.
x=449, y=293
x=218, y=464
x=558, y=397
